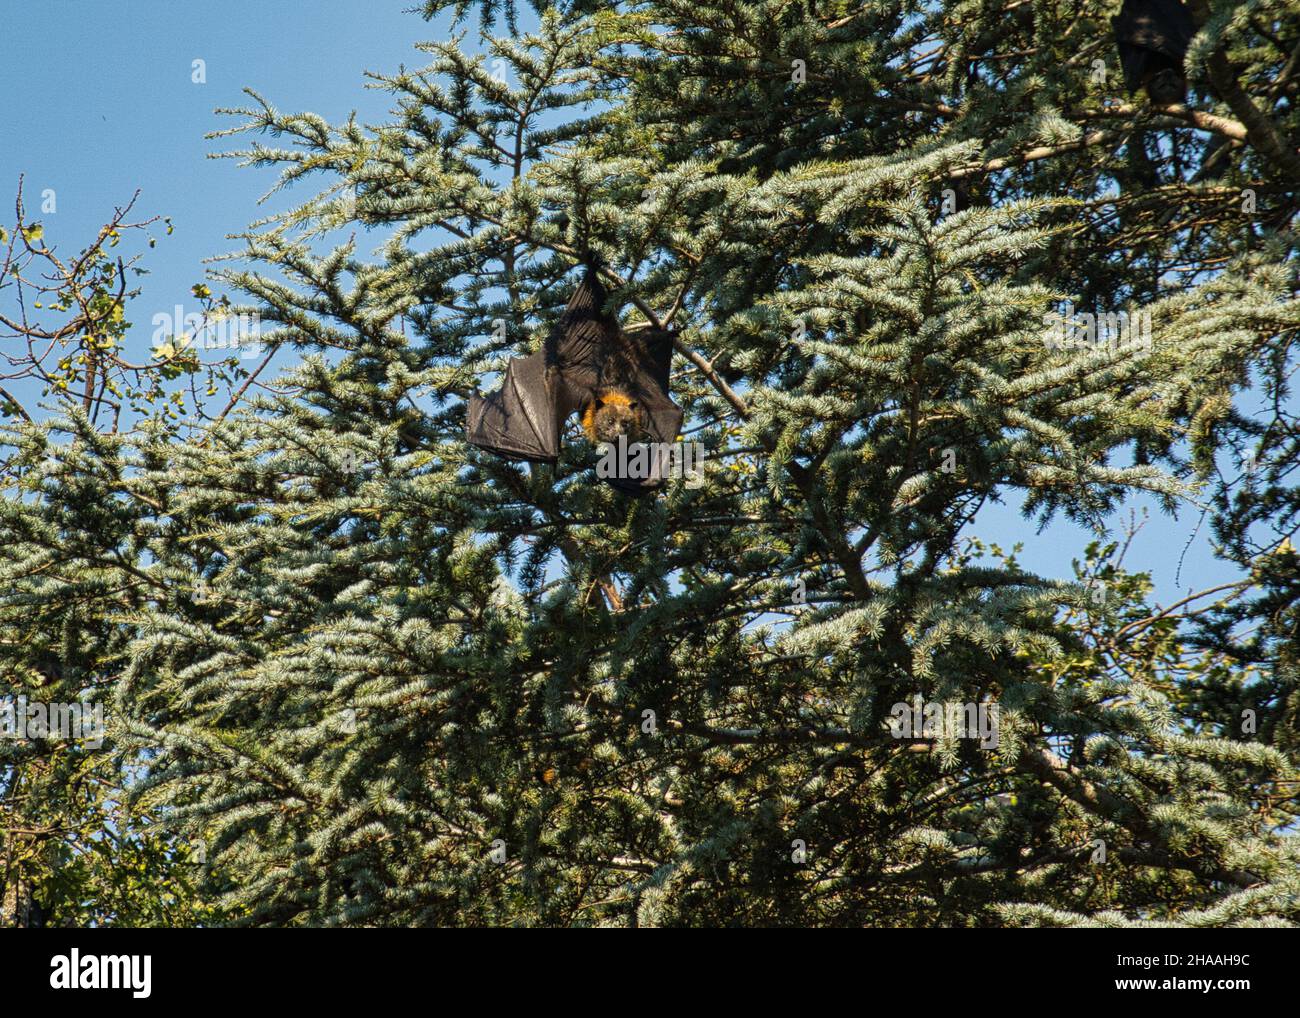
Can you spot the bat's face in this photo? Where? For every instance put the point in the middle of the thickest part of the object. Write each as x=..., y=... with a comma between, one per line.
x=612, y=415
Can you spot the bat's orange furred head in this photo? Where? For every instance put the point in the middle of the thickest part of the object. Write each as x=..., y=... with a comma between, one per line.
x=611, y=414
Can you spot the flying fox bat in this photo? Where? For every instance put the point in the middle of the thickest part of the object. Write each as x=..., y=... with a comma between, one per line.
x=616, y=379
x=1153, y=36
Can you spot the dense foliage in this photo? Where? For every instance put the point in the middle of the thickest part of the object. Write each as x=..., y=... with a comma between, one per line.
x=386, y=679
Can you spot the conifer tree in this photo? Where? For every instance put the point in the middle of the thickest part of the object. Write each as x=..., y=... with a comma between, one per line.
x=390, y=679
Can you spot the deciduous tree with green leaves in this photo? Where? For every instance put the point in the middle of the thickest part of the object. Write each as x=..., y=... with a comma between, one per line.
x=76, y=848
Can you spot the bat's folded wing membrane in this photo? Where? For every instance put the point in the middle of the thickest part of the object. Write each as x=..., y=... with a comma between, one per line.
x=663, y=416
x=518, y=420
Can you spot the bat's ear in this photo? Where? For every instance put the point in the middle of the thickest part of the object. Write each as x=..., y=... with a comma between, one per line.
x=634, y=405
x=597, y=402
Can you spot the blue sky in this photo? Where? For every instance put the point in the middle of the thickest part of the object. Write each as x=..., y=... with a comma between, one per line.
x=102, y=103
x=99, y=101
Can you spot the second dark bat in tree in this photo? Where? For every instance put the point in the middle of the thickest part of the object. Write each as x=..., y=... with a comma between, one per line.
x=1153, y=36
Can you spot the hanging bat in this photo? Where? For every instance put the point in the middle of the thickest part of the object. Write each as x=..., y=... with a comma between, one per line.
x=616, y=380
x=1153, y=36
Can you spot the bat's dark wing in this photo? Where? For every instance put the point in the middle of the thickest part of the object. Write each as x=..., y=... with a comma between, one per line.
x=524, y=419
x=520, y=420
x=583, y=337
x=1151, y=34
x=663, y=416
